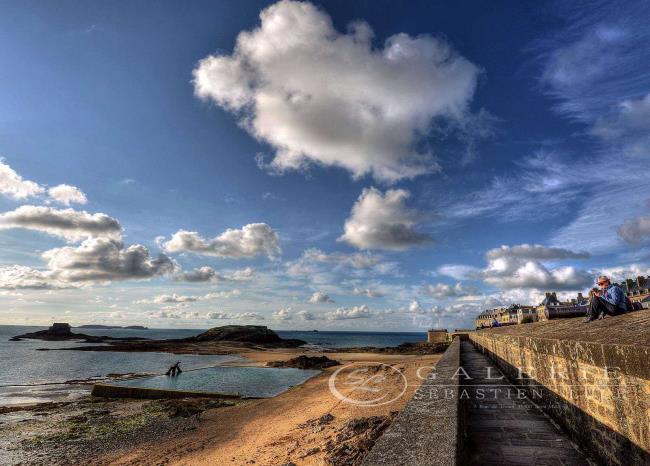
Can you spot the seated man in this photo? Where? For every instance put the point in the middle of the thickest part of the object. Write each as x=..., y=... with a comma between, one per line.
x=609, y=300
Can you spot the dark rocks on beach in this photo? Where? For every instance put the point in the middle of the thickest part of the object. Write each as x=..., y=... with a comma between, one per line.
x=188, y=407
x=419, y=348
x=306, y=362
x=355, y=439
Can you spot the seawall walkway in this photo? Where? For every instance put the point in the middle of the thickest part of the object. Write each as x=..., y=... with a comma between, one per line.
x=503, y=426
x=566, y=383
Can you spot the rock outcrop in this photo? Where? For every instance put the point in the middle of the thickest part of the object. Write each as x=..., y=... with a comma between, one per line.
x=63, y=332
x=258, y=334
x=306, y=362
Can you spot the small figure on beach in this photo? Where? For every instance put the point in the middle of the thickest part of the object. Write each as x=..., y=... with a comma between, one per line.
x=609, y=300
x=174, y=370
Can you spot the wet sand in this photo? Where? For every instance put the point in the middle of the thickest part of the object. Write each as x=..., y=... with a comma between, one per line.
x=283, y=429
x=273, y=431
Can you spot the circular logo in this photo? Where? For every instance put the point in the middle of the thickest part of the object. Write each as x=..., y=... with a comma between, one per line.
x=367, y=384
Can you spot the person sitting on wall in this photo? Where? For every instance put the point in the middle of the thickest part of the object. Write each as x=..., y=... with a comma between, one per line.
x=496, y=323
x=609, y=300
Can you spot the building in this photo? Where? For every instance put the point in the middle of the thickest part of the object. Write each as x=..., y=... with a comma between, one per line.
x=462, y=333
x=503, y=315
x=527, y=314
x=59, y=328
x=638, y=291
x=437, y=335
x=487, y=317
x=553, y=308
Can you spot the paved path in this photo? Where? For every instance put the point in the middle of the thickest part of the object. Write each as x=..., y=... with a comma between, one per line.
x=504, y=430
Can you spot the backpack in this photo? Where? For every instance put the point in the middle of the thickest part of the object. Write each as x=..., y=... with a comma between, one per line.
x=632, y=306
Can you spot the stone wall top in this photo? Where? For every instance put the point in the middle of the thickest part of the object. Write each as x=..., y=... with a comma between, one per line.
x=427, y=430
x=628, y=329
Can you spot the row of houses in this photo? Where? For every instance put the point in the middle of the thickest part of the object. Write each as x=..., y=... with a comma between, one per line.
x=638, y=291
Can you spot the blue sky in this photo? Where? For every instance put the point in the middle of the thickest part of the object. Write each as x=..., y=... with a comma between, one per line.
x=367, y=165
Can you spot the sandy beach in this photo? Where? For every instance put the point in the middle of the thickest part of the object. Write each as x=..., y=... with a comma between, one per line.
x=306, y=425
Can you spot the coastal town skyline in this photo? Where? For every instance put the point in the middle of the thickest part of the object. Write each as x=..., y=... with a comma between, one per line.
x=310, y=166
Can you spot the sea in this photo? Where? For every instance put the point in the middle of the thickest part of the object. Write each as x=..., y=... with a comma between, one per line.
x=28, y=374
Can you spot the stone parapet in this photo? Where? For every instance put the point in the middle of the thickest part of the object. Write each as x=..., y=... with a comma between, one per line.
x=593, y=379
x=120, y=391
x=428, y=431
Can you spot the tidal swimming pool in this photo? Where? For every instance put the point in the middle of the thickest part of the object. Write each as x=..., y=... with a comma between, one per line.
x=248, y=382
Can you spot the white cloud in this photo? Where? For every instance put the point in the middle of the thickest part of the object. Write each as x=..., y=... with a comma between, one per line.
x=305, y=315
x=592, y=68
x=66, y=194
x=14, y=186
x=521, y=267
x=282, y=314
x=368, y=292
x=546, y=186
x=234, y=316
x=175, y=298
x=104, y=260
x=383, y=222
x=17, y=277
x=621, y=273
x=320, y=267
x=208, y=274
x=220, y=294
x=516, y=273
x=70, y=224
x=444, y=290
x=415, y=307
x=534, y=252
x=319, y=96
x=631, y=115
x=173, y=313
x=356, y=260
x=320, y=297
x=459, y=271
x=249, y=241
x=356, y=312
x=200, y=274
x=242, y=275
x=635, y=230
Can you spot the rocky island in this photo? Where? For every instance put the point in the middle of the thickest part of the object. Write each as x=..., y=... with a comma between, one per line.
x=60, y=331
x=228, y=339
x=109, y=327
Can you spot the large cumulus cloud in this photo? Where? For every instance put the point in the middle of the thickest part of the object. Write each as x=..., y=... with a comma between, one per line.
x=249, y=241
x=70, y=224
x=635, y=230
x=383, y=221
x=13, y=185
x=344, y=313
x=511, y=267
x=319, y=96
x=105, y=260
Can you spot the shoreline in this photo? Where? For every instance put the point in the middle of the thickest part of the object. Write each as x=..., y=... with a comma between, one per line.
x=60, y=433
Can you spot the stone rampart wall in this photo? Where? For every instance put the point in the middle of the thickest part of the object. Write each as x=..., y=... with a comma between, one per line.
x=590, y=378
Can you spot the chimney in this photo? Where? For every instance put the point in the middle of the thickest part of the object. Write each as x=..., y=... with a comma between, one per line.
x=580, y=297
x=640, y=281
x=629, y=283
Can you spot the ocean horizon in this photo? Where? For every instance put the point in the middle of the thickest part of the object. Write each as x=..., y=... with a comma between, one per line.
x=30, y=374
